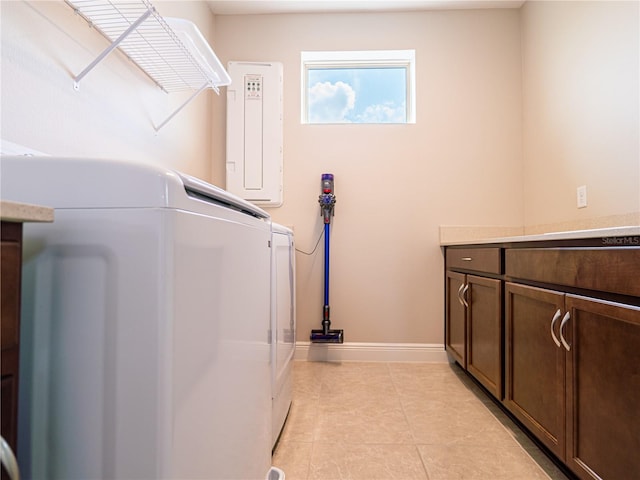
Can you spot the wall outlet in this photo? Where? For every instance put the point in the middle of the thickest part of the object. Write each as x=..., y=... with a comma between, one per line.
x=582, y=196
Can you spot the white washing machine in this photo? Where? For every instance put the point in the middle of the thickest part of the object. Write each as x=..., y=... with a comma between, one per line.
x=283, y=324
x=145, y=349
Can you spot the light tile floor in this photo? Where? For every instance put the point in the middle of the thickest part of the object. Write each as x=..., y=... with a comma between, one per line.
x=400, y=421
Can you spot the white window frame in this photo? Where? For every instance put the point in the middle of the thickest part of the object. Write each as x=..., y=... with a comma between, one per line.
x=361, y=59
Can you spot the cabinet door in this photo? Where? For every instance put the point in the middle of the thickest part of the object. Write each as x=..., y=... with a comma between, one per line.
x=534, y=363
x=455, y=321
x=484, y=332
x=10, y=271
x=603, y=389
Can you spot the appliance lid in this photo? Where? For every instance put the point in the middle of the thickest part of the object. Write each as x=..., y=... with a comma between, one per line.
x=281, y=229
x=202, y=190
x=65, y=182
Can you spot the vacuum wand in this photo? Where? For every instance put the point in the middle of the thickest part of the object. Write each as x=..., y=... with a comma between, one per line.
x=327, y=201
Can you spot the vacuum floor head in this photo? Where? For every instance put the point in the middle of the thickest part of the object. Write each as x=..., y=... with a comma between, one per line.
x=332, y=336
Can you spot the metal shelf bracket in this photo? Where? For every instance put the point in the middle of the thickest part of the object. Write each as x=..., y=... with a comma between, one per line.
x=172, y=52
x=110, y=48
x=187, y=102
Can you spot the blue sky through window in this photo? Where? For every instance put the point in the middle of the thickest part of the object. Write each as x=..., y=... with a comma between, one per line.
x=357, y=95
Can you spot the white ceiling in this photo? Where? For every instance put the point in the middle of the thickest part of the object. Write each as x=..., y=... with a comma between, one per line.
x=245, y=7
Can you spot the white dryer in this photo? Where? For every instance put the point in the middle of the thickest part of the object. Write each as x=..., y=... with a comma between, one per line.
x=283, y=324
x=146, y=310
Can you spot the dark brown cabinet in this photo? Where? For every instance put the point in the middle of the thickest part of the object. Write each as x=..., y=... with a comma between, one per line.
x=572, y=361
x=560, y=323
x=474, y=314
x=10, y=266
x=456, y=318
x=484, y=332
x=603, y=389
x=535, y=363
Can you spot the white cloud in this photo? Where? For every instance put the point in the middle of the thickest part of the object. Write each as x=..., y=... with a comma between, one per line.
x=330, y=102
x=387, y=112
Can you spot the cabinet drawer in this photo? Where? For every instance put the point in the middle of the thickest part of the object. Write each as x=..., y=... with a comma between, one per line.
x=478, y=259
x=612, y=270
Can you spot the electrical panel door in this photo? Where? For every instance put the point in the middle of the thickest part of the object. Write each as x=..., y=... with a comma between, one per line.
x=254, y=132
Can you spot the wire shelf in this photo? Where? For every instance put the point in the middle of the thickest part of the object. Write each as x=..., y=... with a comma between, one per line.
x=171, y=51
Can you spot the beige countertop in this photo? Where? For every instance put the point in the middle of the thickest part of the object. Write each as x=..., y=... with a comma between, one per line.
x=474, y=235
x=24, y=212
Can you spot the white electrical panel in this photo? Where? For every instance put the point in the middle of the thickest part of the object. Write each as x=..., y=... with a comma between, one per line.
x=254, y=132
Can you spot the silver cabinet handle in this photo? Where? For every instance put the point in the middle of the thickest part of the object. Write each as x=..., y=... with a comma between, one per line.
x=9, y=460
x=553, y=322
x=460, y=294
x=565, y=319
x=466, y=259
x=464, y=292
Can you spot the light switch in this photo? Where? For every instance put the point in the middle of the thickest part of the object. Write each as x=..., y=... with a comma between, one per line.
x=582, y=196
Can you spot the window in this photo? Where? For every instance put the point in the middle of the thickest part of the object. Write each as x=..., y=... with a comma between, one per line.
x=358, y=87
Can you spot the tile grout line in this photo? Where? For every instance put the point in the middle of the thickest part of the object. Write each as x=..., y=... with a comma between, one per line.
x=406, y=419
x=314, y=435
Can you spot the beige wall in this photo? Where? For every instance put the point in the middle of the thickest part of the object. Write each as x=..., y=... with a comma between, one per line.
x=580, y=101
x=395, y=184
x=112, y=115
x=515, y=109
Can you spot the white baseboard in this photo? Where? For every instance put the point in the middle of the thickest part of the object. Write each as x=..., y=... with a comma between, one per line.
x=371, y=352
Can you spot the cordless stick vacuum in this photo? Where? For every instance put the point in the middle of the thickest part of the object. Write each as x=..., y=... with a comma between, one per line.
x=327, y=202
